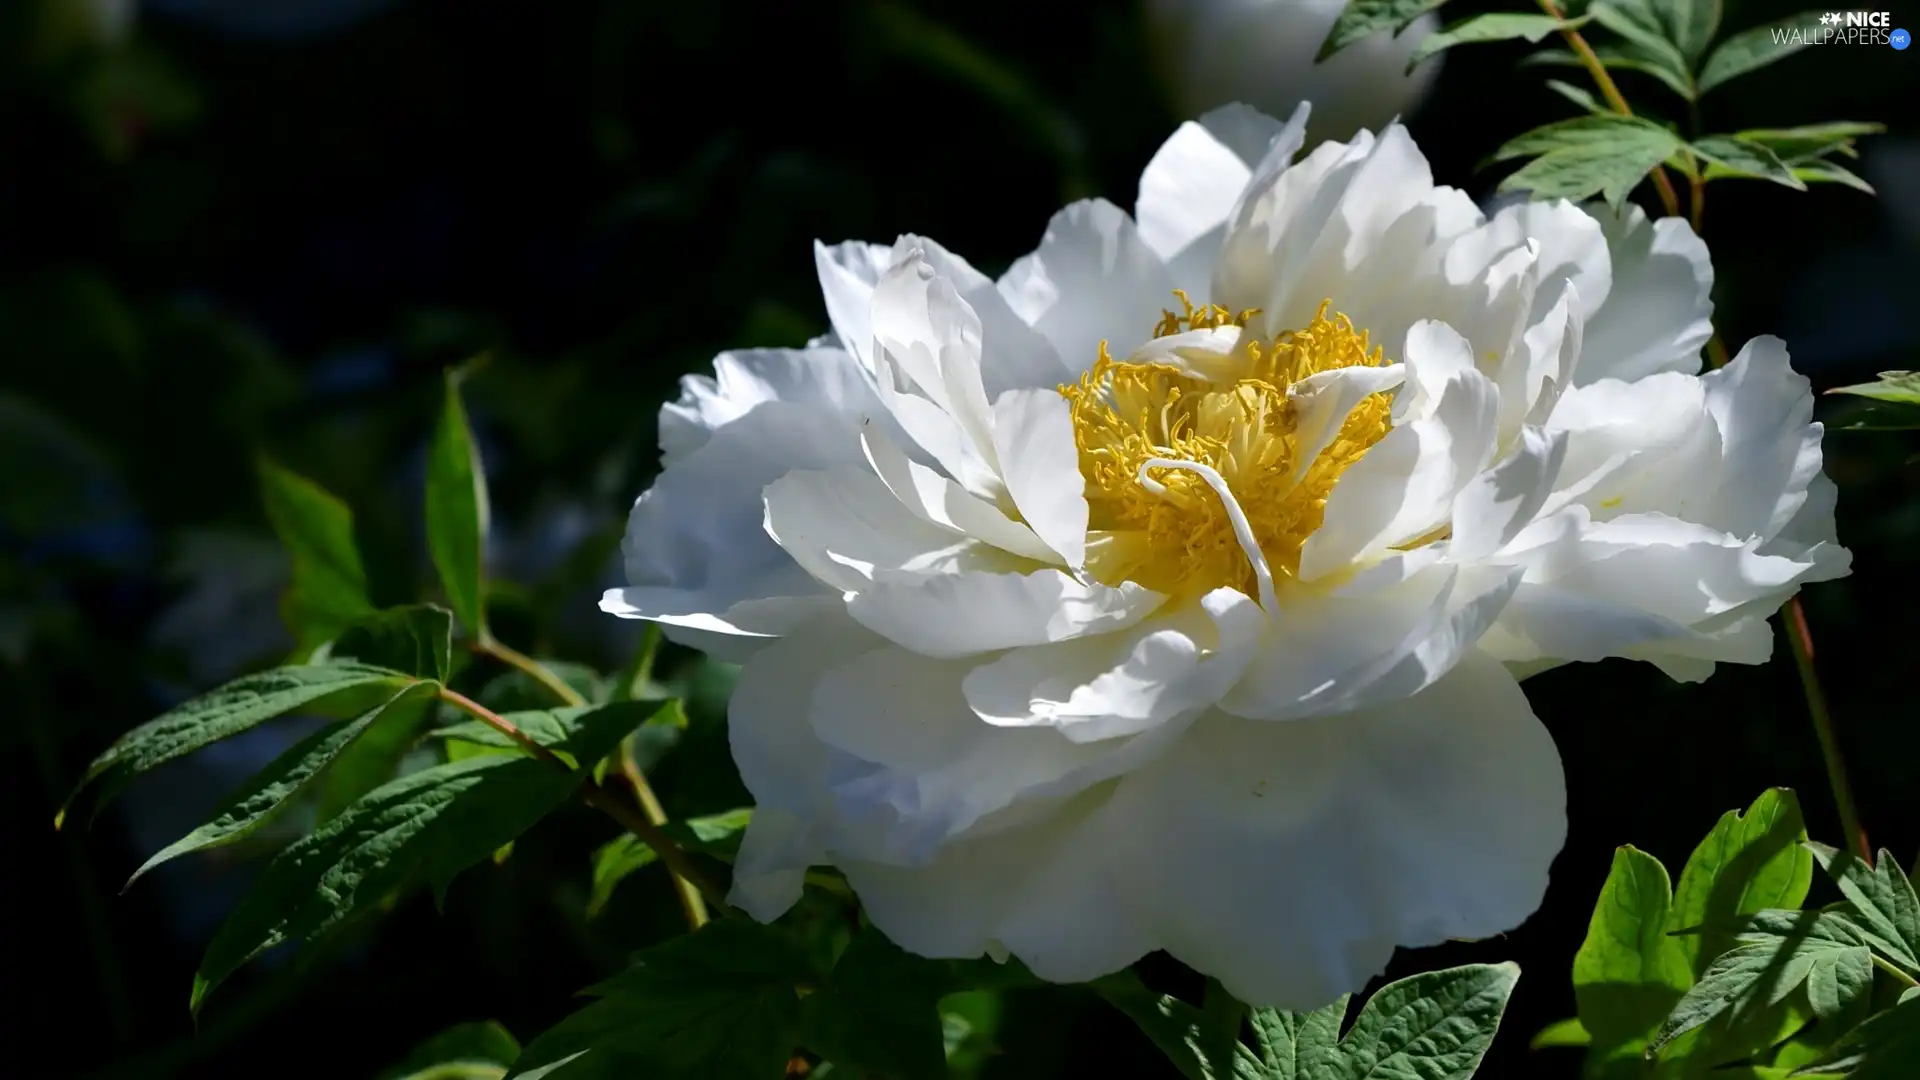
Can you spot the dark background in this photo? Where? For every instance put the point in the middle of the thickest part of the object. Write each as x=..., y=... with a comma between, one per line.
x=273, y=237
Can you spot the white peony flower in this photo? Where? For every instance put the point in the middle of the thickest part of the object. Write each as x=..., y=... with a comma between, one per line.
x=1075, y=627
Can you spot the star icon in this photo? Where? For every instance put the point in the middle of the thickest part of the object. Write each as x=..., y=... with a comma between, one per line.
x=1830, y=18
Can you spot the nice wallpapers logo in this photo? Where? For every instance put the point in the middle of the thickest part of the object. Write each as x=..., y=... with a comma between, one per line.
x=1845, y=28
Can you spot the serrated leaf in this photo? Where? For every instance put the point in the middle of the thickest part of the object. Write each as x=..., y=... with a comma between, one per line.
x=1883, y=1047
x=329, y=586
x=1628, y=973
x=416, y=639
x=1647, y=41
x=1751, y=50
x=879, y=1011
x=425, y=826
x=1578, y=96
x=1436, y=1025
x=550, y=727
x=1801, y=145
x=1883, y=902
x=1902, y=387
x=1740, y=158
x=244, y=703
x=722, y=1001
x=289, y=776
x=1826, y=172
x=480, y=1049
x=1364, y=18
x=1587, y=154
x=1748, y=863
x=1299, y=1046
x=1500, y=26
x=1173, y=1026
x=1782, y=952
x=717, y=835
x=457, y=515
x=370, y=760
x=1561, y=1033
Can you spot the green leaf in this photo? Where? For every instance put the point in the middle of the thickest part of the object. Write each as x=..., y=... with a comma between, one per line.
x=329, y=588
x=1800, y=145
x=1737, y=157
x=457, y=512
x=1501, y=26
x=1902, y=387
x=552, y=728
x=482, y=1050
x=1826, y=172
x=880, y=1011
x=428, y=825
x=1782, y=951
x=513, y=689
x=1578, y=96
x=1883, y=902
x=292, y=774
x=246, y=702
x=1219, y=1028
x=1587, y=154
x=1299, y=1046
x=1884, y=1047
x=1647, y=42
x=1435, y=1026
x=1745, y=865
x=1363, y=18
x=723, y=1000
x=1690, y=24
x=417, y=639
x=1628, y=973
x=1173, y=1026
x=1751, y=50
x=717, y=834
x=1614, y=58
x=1568, y=1032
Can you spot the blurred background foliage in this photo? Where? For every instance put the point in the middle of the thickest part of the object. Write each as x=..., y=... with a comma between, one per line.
x=235, y=227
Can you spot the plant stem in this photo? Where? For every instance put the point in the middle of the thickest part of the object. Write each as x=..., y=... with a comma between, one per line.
x=1794, y=617
x=597, y=796
x=691, y=903
x=690, y=900
x=1894, y=971
x=534, y=669
x=1611, y=92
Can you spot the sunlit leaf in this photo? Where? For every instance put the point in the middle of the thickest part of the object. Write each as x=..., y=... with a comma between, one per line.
x=1364, y=18
x=1737, y=157
x=457, y=512
x=1751, y=50
x=329, y=588
x=1748, y=863
x=1499, y=26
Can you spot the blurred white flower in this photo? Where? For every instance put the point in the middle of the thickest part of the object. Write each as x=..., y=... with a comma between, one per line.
x=1076, y=628
x=1216, y=52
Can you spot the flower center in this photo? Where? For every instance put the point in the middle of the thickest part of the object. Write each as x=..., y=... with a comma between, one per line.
x=1197, y=482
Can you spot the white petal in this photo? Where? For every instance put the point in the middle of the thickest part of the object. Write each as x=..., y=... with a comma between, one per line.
x=695, y=550
x=781, y=761
x=945, y=503
x=1404, y=486
x=1390, y=632
x=1040, y=465
x=1093, y=279
x=1110, y=685
x=1658, y=315
x=1192, y=184
x=1762, y=408
x=959, y=614
x=1321, y=403
x=842, y=525
x=1498, y=503
x=1015, y=354
x=914, y=766
x=933, y=337
x=1290, y=859
x=748, y=377
x=848, y=273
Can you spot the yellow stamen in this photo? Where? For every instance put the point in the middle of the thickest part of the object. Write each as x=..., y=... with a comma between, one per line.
x=1191, y=483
